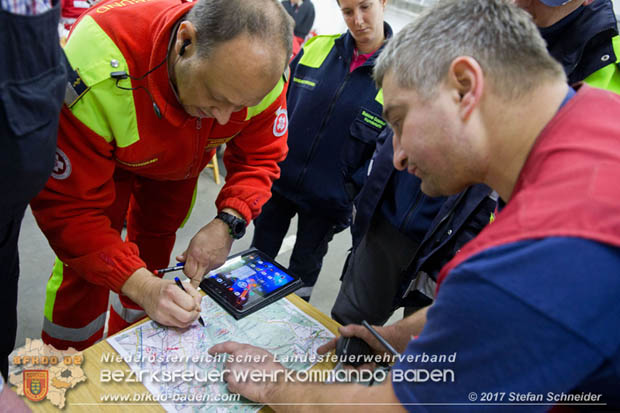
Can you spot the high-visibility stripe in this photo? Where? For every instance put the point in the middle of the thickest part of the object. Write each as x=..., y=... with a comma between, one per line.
x=130, y=315
x=107, y=110
x=191, y=206
x=316, y=50
x=53, y=284
x=379, y=97
x=267, y=100
x=608, y=77
x=304, y=81
x=74, y=334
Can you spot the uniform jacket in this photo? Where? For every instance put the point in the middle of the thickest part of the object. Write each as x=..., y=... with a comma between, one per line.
x=394, y=194
x=459, y=220
x=587, y=45
x=335, y=119
x=104, y=127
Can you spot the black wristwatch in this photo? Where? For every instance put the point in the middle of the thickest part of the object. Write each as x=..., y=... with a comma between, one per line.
x=236, y=226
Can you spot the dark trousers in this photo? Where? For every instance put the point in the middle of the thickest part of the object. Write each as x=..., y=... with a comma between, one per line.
x=313, y=235
x=32, y=85
x=372, y=275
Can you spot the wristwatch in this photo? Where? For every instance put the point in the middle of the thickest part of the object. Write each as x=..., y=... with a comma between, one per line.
x=236, y=226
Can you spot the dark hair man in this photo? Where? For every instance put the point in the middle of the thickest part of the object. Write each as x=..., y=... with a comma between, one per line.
x=529, y=307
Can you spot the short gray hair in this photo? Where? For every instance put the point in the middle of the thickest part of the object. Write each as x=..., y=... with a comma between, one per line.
x=217, y=21
x=501, y=37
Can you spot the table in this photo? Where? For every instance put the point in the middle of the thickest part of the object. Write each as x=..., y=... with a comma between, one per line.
x=85, y=397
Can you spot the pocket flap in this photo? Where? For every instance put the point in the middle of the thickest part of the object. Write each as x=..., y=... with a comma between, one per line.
x=28, y=104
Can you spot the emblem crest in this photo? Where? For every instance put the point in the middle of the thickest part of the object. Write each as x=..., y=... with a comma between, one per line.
x=35, y=384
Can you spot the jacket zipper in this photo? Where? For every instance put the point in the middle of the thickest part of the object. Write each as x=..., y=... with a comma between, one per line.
x=192, y=166
x=415, y=206
x=323, y=125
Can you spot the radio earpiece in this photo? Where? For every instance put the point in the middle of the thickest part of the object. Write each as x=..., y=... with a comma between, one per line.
x=186, y=43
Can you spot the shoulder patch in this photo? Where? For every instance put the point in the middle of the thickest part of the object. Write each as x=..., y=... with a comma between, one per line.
x=76, y=88
x=280, y=124
x=62, y=165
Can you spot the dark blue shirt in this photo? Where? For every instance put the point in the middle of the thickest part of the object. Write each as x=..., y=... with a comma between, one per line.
x=533, y=316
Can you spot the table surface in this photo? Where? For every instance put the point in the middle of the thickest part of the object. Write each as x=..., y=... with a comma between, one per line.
x=85, y=397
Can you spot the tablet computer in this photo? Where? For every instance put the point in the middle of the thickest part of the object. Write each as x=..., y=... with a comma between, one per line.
x=247, y=282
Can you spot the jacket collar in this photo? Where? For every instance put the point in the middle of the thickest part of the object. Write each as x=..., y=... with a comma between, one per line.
x=580, y=40
x=159, y=83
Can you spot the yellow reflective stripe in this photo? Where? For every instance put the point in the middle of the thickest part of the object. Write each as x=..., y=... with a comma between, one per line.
x=379, y=97
x=304, y=81
x=191, y=206
x=53, y=284
x=608, y=77
x=316, y=50
x=107, y=110
x=267, y=100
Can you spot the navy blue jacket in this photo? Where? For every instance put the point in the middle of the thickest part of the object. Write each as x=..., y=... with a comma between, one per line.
x=581, y=41
x=460, y=218
x=334, y=122
x=396, y=194
x=440, y=226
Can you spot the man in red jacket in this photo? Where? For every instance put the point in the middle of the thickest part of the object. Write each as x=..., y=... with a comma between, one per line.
x=154, y=88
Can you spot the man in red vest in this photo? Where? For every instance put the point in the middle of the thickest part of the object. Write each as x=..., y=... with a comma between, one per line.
x=154, y=88
x=527, y=313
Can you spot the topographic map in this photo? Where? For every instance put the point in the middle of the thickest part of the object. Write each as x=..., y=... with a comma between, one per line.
x=150, y=348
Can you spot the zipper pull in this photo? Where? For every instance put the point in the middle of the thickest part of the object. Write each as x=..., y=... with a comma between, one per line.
x=198, y=123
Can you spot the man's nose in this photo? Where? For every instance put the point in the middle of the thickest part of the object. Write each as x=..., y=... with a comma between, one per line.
x=400, y=158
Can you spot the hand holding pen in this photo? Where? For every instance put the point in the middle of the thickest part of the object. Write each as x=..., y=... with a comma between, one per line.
x=179, y=266
x=180, y=284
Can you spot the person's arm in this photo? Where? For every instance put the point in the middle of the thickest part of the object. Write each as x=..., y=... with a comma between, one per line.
x=284, y=395
x=398, y=334
x=251, y=160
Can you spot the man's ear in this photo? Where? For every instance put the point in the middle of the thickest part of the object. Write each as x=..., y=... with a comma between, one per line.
x=588, y=2
x=466, y=79
x=186, y=35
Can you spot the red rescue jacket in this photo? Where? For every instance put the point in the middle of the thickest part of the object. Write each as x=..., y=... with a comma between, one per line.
x=106, y=128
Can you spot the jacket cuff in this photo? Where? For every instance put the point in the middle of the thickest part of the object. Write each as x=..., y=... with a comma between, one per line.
x=109, y=267
x=238, y=205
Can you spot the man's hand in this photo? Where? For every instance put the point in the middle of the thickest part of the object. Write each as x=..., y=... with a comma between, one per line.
x=260, y=391
x=398, y=334
x=208, y=249
x=163, y=300
x=390, y=333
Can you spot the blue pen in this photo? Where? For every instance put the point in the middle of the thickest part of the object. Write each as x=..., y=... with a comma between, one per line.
x=180, y=284
x=179, y=266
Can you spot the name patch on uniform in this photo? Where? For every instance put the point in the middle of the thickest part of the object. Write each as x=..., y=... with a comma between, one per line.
x=372, y=119
x=306, y=83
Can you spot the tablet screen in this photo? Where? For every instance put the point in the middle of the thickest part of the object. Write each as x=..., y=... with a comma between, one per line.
x=247, y=279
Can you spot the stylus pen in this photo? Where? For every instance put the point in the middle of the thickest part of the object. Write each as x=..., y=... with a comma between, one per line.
x=381, y=339
x=179, y=266
x=180, y=284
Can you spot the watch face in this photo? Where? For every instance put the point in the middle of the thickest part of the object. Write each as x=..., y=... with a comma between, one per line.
x=239, y=229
